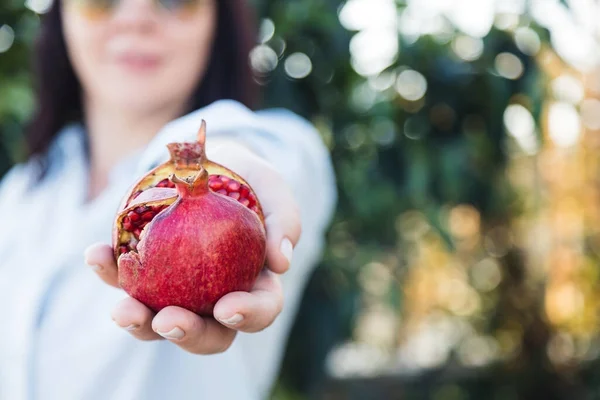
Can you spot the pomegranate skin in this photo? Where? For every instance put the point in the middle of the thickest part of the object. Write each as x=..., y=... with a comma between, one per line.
x=188, y=232
x=200, y=248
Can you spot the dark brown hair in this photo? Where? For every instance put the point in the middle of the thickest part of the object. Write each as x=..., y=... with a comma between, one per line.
x=58, y=91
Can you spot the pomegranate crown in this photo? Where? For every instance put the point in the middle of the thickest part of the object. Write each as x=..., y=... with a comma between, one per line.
x=192, y=185
x=184, y=155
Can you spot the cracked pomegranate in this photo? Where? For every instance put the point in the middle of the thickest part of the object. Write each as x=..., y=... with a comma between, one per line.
x=189, y=232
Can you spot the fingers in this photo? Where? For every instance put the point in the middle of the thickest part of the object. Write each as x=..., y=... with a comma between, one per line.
x=282, y=215
x=187, y=330
x=243, y=311
x=282, y=220
x=101, y=259
x=191, y=332
x=254, y=311
x=135, y=318
x=282, y=235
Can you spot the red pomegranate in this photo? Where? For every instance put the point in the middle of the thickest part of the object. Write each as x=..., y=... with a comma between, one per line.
x=189, y=232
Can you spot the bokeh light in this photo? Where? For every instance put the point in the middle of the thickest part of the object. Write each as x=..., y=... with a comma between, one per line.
x=567, y=88
x=355, y=136
x=363, y=97
x=383, y=131
x=527, y=40
x=415, y=127
x=39, y=6
x=564, y=124
x=357, y=15
x=573, y=33
x=467, y=48
x=506, y=21
x=520, y=124
x=509, y=66
x=7, y=37
x=266, y=31
x=473, y=17
x=486, y=275
x=374, y=47
x=263, y=59
x=373, y=50
x=383, y=81
x=411, y=85
x=298, y=65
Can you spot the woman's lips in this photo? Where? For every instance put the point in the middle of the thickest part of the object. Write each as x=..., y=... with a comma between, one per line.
x=138, y=62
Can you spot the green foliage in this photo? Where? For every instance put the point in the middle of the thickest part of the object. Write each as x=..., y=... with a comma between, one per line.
x=392, y=155
x=16, y=101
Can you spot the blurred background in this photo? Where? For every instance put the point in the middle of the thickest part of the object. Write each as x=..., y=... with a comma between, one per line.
x=463, y=261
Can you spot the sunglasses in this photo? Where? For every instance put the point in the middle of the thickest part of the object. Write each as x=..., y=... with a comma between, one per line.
x=102, y=8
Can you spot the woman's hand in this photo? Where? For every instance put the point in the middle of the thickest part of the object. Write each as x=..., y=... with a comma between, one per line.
x=238, y=311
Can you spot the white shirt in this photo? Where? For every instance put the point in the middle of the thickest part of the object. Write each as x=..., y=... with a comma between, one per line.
x=57, y=339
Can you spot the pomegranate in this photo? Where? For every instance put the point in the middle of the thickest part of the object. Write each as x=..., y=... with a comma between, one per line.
x=189, y=232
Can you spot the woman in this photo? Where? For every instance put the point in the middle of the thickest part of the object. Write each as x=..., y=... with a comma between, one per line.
x=116, y=82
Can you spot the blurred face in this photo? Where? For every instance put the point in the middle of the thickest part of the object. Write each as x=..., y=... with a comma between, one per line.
x=139, y=55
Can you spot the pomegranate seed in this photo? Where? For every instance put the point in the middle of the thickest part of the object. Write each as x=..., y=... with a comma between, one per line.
x=137, y=233
x=123, y=249
x=234, y=195
x=245, y=202
x=127, y=224
x=222, y=191
x=141, y=209
x=254, y=208
x=165, y=183
x=233, y=186
x=224, y=179
x=133, y=216
x=147, y=216
x=215, y=185
x=244, y=191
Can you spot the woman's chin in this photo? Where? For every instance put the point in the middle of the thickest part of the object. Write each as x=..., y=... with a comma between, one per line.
x=139, y=102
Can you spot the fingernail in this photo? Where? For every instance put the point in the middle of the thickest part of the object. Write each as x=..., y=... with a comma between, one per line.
x=129, y=328
x=287, y=249
x=235, y=319
x=95, y=267
x=175, y=333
